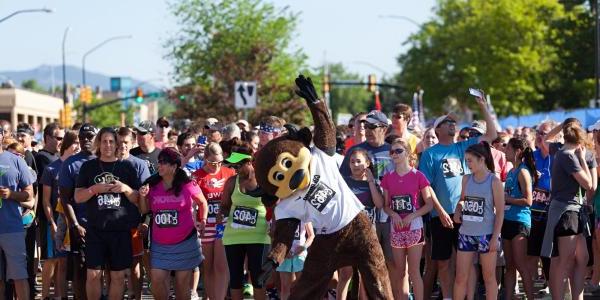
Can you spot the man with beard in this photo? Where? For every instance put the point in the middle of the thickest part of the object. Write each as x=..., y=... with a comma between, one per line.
x=76, y=213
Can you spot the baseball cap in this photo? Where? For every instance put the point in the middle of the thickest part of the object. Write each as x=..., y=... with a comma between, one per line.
x=596, y=126
x=236, y=157
x=478, y=126
x=376, y=117
x=210, y=123
x=441, y=119
x=145, y=127
x=243, y=122
x=25, y=128
x=87, y=127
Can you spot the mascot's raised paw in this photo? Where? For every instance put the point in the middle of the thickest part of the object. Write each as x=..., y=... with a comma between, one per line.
x=306, y=89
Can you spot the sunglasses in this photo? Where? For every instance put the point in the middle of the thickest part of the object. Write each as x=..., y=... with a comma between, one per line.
x=58, y=138
x=396, y=151
x=373, y=126
x=162, y=162
x=214, y=163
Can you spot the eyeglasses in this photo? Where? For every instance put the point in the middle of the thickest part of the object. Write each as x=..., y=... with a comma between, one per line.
x=464, y=136
x=397, y=151
x=214, y=163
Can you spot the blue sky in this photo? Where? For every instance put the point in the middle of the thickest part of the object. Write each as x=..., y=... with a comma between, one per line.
x=330, y=30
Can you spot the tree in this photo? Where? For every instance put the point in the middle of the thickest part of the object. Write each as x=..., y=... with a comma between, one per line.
x=502, y=46
x=33, y=85
x=345, y=99
x=221, y=42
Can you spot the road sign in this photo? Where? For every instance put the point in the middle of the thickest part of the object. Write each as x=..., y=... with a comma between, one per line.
x=245, y=94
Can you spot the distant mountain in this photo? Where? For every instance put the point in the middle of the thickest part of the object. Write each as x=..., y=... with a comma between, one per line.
x=46, y=76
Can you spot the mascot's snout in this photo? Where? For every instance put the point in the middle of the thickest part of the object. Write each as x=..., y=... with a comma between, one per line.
x=297, y=179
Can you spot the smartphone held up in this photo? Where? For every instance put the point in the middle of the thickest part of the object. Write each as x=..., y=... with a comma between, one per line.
x=476, y=92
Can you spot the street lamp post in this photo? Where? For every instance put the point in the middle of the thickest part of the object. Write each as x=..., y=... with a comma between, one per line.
x=64, y=67
x=46, y=10
x=120, y=37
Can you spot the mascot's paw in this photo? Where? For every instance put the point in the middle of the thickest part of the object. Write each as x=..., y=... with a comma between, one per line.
x=268, y=267
x=306, y=89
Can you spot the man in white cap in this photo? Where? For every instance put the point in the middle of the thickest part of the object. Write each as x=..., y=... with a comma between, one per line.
x=444, y=164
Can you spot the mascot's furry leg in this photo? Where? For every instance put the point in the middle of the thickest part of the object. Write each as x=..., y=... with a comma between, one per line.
x=357, y=245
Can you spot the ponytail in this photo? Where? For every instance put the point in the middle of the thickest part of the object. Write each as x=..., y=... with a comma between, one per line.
x=489, y=159
x=529, y=161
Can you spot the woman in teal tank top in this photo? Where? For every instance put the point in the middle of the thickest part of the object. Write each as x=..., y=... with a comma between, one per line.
x=246, y=230
x=517, y=215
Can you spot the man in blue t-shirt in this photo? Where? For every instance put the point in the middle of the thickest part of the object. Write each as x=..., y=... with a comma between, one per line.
x=76, y=213
x=376, y=126
x=16, y=193
x=444, y=165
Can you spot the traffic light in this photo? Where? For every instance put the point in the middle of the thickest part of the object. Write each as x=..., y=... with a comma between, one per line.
x=139, y=95
x=326, y=80
x=61, y=117
x=68, y=118
x=85, y=94
x=372, y=83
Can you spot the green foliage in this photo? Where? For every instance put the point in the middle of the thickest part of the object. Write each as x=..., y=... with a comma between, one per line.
x=221, y=42
x=109, y=115
x=33, y=85
x=346, y=99
x=506, y=47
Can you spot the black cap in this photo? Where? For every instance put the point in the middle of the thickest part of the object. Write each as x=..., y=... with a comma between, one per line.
x=25, y=128
x=145, y=127
x=87, y=127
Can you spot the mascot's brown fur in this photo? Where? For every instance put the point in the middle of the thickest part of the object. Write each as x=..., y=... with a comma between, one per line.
x=283, y=169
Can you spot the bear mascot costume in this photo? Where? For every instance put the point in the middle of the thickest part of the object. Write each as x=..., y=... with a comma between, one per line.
x=309, y=186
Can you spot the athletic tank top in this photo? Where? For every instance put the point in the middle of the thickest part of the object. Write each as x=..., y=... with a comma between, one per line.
x=478, y=208
x=247, y=222
x=512, y=212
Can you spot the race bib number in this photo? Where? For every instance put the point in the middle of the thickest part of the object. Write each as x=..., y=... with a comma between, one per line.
x=372, y=214
x=108, y=201
x=452, y=167
x=245, y=217
x=473, y=209
x=319, y=194
x=402, y=204
x=166, y=218
x=213, y=210
x=541, y=196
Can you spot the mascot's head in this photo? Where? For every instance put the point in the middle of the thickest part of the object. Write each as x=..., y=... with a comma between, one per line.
x=283, y=164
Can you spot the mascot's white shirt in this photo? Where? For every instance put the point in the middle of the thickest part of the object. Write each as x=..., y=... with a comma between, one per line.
x=328, y=202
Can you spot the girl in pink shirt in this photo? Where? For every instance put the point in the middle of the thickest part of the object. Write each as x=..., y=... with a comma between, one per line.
x=401, y=190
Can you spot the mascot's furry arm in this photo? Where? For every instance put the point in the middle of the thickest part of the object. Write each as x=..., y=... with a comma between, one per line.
x=324, y=137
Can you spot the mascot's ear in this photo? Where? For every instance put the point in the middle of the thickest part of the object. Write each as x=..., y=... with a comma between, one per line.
x=303, y=135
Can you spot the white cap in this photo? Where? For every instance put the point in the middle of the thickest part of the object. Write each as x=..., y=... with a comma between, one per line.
x=441, y=119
